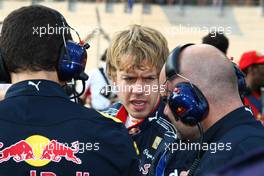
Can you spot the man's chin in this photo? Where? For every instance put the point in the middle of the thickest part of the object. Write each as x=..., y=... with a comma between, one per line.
x=139, y=115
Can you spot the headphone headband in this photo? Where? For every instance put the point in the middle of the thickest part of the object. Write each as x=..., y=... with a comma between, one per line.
x=172, y=67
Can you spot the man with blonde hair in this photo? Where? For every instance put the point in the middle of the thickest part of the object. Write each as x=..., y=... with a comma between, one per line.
x=134, y=60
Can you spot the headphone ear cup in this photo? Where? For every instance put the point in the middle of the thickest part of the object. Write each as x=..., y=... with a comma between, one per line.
x=72, y=61
x=188, y=104
x=4, y=75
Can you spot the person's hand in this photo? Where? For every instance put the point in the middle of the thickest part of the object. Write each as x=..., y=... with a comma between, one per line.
x=184, y=173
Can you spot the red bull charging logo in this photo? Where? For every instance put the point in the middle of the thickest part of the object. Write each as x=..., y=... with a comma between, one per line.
x=39, y=151
x=54, y=151
x=20, y=151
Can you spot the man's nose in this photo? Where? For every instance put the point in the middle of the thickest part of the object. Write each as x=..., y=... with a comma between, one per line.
x=138, y=87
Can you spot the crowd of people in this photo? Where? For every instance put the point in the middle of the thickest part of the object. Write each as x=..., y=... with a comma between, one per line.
x=194, y=2
x=191, y=111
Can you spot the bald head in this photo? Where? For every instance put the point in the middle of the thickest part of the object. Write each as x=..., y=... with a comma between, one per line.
x=210, y=70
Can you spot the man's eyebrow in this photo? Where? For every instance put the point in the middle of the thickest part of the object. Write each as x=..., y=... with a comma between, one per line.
x=150, y=75
x=127, y=74
x=145, y=75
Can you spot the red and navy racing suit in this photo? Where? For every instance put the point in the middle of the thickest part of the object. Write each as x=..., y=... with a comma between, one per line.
x=152, y=137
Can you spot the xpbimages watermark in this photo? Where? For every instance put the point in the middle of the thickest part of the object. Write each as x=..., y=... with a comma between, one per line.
x=195, y=146
x=145, y=89
x=196, y=29
x=50, y=30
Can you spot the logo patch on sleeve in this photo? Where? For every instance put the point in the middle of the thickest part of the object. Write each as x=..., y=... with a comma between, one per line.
x=156, y=142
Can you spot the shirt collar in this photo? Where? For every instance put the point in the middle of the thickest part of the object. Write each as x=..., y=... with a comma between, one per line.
x=36, y=88
x=122, y=115
x=235, y=118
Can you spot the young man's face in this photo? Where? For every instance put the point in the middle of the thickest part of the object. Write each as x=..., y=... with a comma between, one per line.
x=138, y=90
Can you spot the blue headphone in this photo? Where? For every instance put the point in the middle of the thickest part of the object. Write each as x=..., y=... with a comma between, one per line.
x=73, y=56
x=186, y=101
x=71, y=61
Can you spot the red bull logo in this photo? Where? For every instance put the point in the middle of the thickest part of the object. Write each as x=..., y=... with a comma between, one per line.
x=54, y=151
x=20, y=151
x=38, y=151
